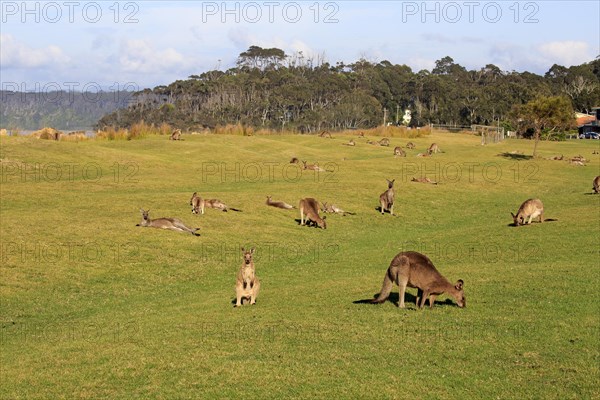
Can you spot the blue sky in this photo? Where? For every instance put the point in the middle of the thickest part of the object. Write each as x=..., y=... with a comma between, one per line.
x=148, y=43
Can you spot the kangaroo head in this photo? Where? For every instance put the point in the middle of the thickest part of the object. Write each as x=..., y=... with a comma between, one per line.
x=193, y=197
x=324, y=223
x=247, y=254
x=145, y=214
x=461, y=300
x=390, y=183
x=517, y=219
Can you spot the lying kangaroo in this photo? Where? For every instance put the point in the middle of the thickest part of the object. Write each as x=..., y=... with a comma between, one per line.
x=424, y=154
x=350, y=143
x=294, y=160
x=398, y=152
x=173, y=224
x=530, y=209
x=332, y=208
x=415, y=270
x=279, y=204
x=247, y=283
x=361, y=134
x=434, y=148
x=597, y=184
x=199, y=204
x=410, y=145
x=384, y=142
x=312, y=167
x=373, y=143
x=176, y=135
x=386, y=199
x=310, y=207
x=423, y=180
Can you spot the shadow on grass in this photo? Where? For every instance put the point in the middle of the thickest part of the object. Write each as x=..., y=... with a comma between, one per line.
x=308, y=223
x=409, y=300
x=515, y=156
x=512, y=224
x=378, y=209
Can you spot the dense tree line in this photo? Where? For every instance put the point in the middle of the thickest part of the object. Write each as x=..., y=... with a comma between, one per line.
x=270, y=89
x=57, y=109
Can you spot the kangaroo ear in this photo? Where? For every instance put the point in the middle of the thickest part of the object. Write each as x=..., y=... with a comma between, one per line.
x=241, y=248
x=459, y=284
x=513, y=215
x=324, y=217
x=252, y=250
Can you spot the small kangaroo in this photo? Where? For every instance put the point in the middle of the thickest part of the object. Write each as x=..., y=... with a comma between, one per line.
x=410, y=145
x=173, y=224
x=373, y=143
x=361, y=134
x=176, y=135
x=312, y=167
x=424, y=154
x=384, y=142
x=386, y=199
x=398, y=152
x=332, y=208
x=415, y=270
x=530, y=209
x=597, y=184
x=294, y=160
x=310, y=207
x=434, y=148
x=199, y=204
x=350, y=143
x=279, y=204
x=423, y=180
x=325, y=134
x=247, y=283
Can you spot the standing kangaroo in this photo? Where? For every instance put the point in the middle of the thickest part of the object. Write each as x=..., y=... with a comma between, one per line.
x=312, y=167
x=415, y=270
x=247, y=283
x=434, y=148
x=310, y=207
x=173, y=224
x=278, y=204
x=597, y=184
x=386, y=199
x=530, y=209
x=398, y=152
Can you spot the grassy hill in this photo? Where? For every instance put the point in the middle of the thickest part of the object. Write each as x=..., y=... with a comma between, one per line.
x=94, y=307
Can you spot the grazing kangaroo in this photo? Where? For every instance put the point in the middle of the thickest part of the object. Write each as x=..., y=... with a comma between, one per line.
x=398, y=152
x=247, y=283
x=176, y=135
x=199, y=204
x=415, y=270
x=173, y=224
x=350, y=143
x=312, y=167
x=597, y=184
x=434, y=148
x=294, y=160
x=332, y=208
x=384, y=142
x=310, y=207
x=279, y=204
x=530, y=209
x=386, y=199
x=423, y=180
x=410, y=145
x=325, y=134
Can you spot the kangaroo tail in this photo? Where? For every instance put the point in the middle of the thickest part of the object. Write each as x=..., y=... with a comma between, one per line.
x=235, y=209
x=386, y=288
x=350, y=213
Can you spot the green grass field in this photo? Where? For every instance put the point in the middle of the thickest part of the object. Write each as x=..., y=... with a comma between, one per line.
x=94, y=307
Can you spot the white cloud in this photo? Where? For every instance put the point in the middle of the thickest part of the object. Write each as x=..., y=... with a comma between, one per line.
x=139, y=56
x=18, y=55
x=566, y=53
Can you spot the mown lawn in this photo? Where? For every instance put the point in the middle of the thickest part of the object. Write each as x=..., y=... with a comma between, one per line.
x=94, y=307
